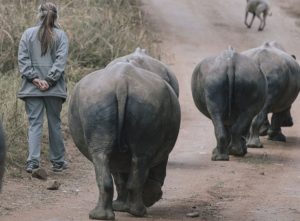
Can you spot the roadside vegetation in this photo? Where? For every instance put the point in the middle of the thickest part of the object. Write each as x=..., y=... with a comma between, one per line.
x=98, y=31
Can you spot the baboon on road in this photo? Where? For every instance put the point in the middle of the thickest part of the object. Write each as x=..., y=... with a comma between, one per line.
x=259, y=8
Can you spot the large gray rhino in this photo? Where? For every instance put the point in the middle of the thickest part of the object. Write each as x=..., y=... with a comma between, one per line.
x=125, y=119
x=2, y=154
x=230, y=90
x=283, y=82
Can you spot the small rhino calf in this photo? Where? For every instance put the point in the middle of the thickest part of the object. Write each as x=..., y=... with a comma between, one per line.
x=258, y=8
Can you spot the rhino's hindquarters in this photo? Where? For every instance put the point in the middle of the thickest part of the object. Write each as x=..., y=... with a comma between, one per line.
x=124, y=109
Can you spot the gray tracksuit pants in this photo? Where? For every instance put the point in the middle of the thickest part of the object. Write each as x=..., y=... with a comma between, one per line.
x=35, y=108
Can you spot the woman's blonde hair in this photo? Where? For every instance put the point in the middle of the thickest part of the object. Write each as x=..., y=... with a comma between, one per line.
x=48, y=15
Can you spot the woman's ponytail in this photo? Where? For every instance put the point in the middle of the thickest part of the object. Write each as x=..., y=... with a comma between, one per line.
x=48, y=16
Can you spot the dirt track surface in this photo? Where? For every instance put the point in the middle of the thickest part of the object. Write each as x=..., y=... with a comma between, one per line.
x=264, y=185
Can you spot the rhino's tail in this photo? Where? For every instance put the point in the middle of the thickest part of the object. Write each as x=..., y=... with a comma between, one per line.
x=121, y=94
x=231, y=77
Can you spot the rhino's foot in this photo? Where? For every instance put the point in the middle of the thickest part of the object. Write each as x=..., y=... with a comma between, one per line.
x=137, y=210
x=254, y=143
x=121, y=206
x=240, y=152
x=101, y=214
x=276, y=136
x=152, y=192
x=217, y=156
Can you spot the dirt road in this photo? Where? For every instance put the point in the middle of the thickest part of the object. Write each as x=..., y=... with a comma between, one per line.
x=264, y=185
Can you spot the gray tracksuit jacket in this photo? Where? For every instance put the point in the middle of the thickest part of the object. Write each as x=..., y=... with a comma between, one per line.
x=49, y=67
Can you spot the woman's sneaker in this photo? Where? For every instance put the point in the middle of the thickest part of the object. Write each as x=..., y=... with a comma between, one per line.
x=30, y=166
x=59, y=166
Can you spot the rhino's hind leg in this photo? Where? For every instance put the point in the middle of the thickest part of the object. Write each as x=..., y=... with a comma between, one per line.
x=100, y=155
x=135, y=185
x=120, y=204
x=239, y=129
x=221, y=151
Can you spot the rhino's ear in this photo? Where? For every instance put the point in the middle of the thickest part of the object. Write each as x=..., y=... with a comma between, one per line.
x=294, y=56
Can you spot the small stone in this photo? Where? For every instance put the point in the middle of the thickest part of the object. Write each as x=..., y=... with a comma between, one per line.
x=40, y=173
x=53, y=185
x=192, y=214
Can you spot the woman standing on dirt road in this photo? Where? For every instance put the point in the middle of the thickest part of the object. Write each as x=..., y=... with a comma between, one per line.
x=42, y=57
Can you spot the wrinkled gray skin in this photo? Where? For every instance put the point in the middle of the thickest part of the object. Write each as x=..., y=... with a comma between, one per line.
x=126, y=120
x=258, y=8
x=283, y=81
x=2, y=154
x=230, y=90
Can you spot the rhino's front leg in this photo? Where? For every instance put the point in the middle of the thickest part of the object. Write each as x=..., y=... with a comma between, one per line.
x=135, y=185
x=103, y=210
